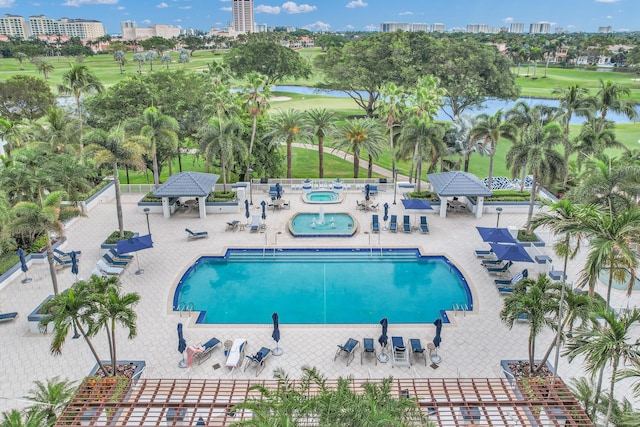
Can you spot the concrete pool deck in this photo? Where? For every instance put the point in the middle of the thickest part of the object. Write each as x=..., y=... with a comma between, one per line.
x=472, y=345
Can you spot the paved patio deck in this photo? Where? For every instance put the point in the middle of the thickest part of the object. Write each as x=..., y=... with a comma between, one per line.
x=472, y=345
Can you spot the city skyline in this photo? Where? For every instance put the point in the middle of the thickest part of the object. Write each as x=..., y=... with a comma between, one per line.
x=342, y=15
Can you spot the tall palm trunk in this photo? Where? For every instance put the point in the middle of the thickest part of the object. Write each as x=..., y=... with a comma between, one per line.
x=112, y=345
x=116, y=182
x=90, y=344
x=321, y=156
x=370, y=167
x=254, y=125
x=356, y=164
x=614, y=369
x=289, y=158
x=52, y=265
x=156, y=177
x=563, y=291
x=532, y=196
x=79, y=106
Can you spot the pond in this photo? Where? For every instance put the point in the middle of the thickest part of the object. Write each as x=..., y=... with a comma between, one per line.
x=490, y=106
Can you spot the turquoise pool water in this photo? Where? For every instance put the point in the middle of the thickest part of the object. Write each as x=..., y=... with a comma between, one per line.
x=322, y=224
x=321, y=196
x=622, y=286
x=319, y=286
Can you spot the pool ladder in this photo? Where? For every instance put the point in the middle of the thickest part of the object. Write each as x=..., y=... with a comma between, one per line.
x=186, y=308
x=463, y=307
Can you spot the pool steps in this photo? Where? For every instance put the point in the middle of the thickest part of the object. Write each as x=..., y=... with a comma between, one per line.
x=186, y=308
x=463, y=307
x=272, y=254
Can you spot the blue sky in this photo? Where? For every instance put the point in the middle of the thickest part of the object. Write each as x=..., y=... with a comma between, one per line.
x=340, y=15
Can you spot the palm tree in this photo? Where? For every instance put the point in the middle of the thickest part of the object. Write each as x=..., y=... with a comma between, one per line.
x=140, y=59
x=288, y=126
x=43, y=218
x=256, y=95
x=392, y=105
x=562, y=218
x=355, y=135
x=151, y=56
x=490, y=130
x=45, y=68
x=573, y=100
x=13, y=133
x=419, y=139
x=60, y=132
x=612, y=238
x=166, y=59
x=113, y=148
x=610, y=97
x=156, y=130
x=320, y=122
x=67, y=310
x=538, y=155
x=458, y=138
x=14, y=418
x=606, y=342
x=594, y=138
x=79, y=81
x=54, y=396
x=220, y=137
x=110, y=308
x=120, y=57
x=535, y=299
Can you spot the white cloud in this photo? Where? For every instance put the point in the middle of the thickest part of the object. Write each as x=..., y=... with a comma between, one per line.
x=291, y=7
x=607, y=1
x=317, y=26
x=146, y=22
x=6, y=3
x=120, y=8
x=178, y=20
x=371, y=27
x=226, y=9
x=271, y=10
x=85, y=2
x=184, y=7
x=405, y=13
x=162, y=5
x=349, y=27
x=357, y=3
x=609, y=17
x=508, y=20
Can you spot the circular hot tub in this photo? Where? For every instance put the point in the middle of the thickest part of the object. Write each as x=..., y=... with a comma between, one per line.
x=334, y=224
x=322, y=196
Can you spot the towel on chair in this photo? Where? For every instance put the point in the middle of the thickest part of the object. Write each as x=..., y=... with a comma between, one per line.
x=191, y=351
x=234, y=354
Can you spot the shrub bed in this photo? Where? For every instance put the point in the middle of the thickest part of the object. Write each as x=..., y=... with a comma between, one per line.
x=115, y=236
x=424, y=195
x=509, y=196
x=221, y=196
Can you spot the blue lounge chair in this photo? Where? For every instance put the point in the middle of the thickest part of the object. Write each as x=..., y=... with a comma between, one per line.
x=255, y=223
x=196, y=234
x=505, y=290
x=492, y=262
x=515, y=279
x=500, y=270
x=368, y=347
x=348, y=348
x=484, y=253
x=114, y=262
x=375, y=225
x=202, y=356
x=406, y=225
x=399, y=353
x=65, y=255
x=62, y=263
x=257, y=360
x=522, y=318
x=393, y=225
x=424, y=226
x=108, y=269
x=114, y=253
x=373, y=190
x=7, y=317
x=417, y=350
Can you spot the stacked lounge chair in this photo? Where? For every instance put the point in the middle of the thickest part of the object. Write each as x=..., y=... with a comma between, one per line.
x=191, y=235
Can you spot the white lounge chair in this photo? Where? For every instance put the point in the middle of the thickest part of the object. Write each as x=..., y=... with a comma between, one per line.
x=236, y=353
x=97, y=272
x=109, y=269
x=255, y=223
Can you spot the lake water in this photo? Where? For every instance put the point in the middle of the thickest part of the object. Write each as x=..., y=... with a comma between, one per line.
x=490, y=106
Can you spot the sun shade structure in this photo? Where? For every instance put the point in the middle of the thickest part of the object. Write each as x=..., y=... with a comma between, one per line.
x=449, y=402
x=456, y=184
x=196, y=185
x=510, y=253
x=496, y=235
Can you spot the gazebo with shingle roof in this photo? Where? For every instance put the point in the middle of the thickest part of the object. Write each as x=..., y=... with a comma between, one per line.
x=196, y=185
x=457, y=183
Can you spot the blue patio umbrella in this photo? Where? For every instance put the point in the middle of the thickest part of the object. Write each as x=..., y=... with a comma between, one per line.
x=416, y=205
x=135, y=244
x=436, y=341
x=276, y=333
x=264, y=209
x=201, y=422
x=510, y=252
x=386, y=215
x=278, y=190
x=23, y=265
x=246, y=210
x=74, y=263
x=496, y=235
x=367, y=196
x=182, y=346
x=383, y=340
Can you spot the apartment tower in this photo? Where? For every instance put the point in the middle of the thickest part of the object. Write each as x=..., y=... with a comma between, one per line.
x=243, y=16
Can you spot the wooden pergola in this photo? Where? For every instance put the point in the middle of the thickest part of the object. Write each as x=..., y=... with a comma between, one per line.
x=446, y=402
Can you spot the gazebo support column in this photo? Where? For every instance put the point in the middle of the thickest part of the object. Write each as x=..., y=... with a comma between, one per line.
x=480, y=206
x=202, y=206
x=443, y=207
x=166, y=210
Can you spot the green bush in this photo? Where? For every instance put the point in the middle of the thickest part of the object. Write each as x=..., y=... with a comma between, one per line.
x=221, y=196
x=149, y=197
x=524, y=237
x=425, y=195
x=509, y=196
x=94, y=190
x=7, y=261
x=115, y=236
x=38, y=244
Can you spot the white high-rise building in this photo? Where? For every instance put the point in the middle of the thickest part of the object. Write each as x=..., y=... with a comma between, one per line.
x=242, y=11
x=516, y=28
x=540, y=28
x=14, y=25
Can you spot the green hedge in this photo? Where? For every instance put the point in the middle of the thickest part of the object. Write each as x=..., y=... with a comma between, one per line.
x=94, y=190
x=221, y=196
x=509, y=196
x=115, y=236
x=149, y=197
x=425, y=195
x=8, y=260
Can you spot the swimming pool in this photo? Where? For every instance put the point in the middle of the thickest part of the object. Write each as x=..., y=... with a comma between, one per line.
x=621, y=286
x=322, y=286
x=321, y=196
x=323, y=224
